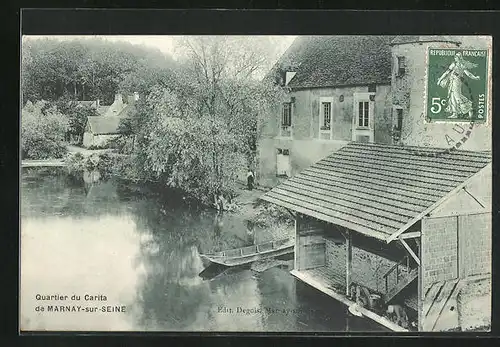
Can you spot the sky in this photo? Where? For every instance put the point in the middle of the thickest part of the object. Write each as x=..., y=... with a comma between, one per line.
x=164, y=43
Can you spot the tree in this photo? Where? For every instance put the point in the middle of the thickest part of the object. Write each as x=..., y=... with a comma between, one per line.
x=86, y=69
x=200, y=133
x=42, y=131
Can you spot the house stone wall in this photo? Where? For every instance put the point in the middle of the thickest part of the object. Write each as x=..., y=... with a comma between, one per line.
x=304, y=145
x=367, y=268
x=90, y=139
x=409, y=93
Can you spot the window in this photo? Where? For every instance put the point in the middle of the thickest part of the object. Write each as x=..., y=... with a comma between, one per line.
x=399, y=114
x=286, y=117
x=401, y=66
x=363, y=114
x=326, y=115
x=372, y=88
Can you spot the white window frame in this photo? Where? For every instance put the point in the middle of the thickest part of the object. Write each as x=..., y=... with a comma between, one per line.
x=321, y=119
x=363, y=130
x=363, y=114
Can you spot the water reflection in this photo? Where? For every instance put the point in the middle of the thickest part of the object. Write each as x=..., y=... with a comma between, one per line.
x=83, y=235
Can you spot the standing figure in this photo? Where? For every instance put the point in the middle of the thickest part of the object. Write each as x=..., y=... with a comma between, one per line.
x=250, y=179
x=452, y=79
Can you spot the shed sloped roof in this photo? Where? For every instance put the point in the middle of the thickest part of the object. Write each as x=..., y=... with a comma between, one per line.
x=377, y=190
x=101, y=125
x=329, y=61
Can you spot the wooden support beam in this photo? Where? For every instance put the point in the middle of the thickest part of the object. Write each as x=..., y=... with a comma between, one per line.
x=291, y=213
x=410, y=235
x=348, y=263
x=408, y=248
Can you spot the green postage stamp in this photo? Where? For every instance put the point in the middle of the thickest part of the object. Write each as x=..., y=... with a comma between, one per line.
x=457, y=82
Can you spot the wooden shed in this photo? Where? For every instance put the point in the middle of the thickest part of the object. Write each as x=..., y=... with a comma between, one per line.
x=411, y=225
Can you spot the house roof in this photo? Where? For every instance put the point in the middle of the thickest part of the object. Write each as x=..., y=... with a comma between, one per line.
x=102, y=110
x=101, y=125
x=377, y=190
x=329, y=61
x=403, y=39
x=91, y=103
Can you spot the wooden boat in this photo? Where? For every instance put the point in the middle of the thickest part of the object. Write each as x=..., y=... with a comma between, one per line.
x=245, y=255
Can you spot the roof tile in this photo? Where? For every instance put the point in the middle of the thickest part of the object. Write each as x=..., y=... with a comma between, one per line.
x=376, y=189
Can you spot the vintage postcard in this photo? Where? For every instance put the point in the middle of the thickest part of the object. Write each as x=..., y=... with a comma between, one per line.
x=256, y=183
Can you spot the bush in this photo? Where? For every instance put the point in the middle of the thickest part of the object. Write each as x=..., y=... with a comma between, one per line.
x=43, y=131
x=75, y=162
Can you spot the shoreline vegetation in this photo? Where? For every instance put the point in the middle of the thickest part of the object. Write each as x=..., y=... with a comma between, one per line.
x=273, y=222
x=193, y=126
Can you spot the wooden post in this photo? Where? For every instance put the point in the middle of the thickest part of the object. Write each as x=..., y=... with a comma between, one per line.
x=348, y=263
x=297, y=243
x=420, y=306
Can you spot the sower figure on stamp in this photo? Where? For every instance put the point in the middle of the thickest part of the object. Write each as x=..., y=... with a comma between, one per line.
x=452, y=78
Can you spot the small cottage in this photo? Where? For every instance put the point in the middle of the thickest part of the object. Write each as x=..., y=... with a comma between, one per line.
x=408, y=225
x=100, y=130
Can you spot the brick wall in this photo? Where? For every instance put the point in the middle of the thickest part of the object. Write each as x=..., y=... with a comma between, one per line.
x=367, y=268
x=439, y=250
x=475, y=247
x=455, y=246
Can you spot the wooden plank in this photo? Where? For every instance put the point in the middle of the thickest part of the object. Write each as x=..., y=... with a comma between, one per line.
x=332, y=210
x=393, y=176
x=349, y=212
x=356, y=197
x=408, y=248
x=410, y=235
x=354, y=203
x=458, y=155
x=436, y=309
x=398, y=170
x=434, y=206
x=397, y=161
x=360, y=228
x=397, y=184
x=348, y=263
x=430, y=297
x=343, y=299
x=370, y=189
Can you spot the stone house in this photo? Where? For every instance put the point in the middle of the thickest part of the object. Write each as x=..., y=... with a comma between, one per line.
x=100, y=130
x=339, y=88
x=355, y=88
x=396, y=213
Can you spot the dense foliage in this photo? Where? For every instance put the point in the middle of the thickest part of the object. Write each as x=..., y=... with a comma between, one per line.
x=200, y=134
x=43, y=129
x=88, y=69
x=196, y=123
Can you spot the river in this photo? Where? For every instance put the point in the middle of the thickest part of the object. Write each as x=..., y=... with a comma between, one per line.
x=134, y=258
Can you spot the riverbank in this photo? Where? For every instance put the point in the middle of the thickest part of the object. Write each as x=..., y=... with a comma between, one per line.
x=273, y=222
